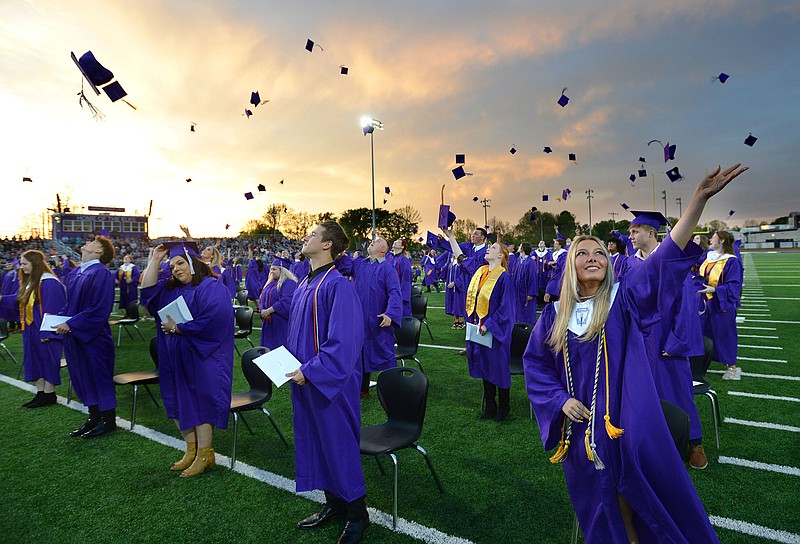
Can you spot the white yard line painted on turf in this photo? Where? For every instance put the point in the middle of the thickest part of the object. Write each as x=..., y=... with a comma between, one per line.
x=758, y=336
x=756, y=328
x=752, y=529
x=762, y=424
x=757, y=360
x=436, y=307
x=410, y=528
x=777, y=298
x=768, y=376
x=781, y=469
x=439, y=347
x=760, y=396
x=781, y=285
x=759, y=347
x=773, y=321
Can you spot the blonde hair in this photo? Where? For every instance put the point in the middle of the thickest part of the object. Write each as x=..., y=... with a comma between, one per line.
x=285, y=274
x=569, y=296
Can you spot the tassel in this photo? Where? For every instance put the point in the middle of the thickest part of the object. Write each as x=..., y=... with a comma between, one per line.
x=561, y=452
x=586, y=444
x=598, y=464
x=613, y=432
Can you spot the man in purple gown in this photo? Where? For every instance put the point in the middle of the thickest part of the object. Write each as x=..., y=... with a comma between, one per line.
x=88, y=343
x=542, y=256
x=402, y=265
x=558, y=255
x=431, y=268
x=379, y=292
x=525, y=285
x=256, y=276
x=326, y=335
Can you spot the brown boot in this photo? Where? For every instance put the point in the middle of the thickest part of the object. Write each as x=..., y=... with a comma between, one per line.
x=205, y=460
x=188, y=457
x=697, y=457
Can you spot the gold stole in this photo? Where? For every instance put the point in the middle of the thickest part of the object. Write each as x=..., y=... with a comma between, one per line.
x=26, y=311
x=478, y=294
x=713, y=274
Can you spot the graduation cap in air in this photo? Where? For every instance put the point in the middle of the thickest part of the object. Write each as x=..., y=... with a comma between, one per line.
x=573, y=157
x=385, y=201
x=632, y=178
x=432, y=240
x=99, y=77
x=513, y=149
x=474, y=198
x=261, y=188
x=458, y=172
x=534, y=209
x=461, y=158
x=722, y=77
x=654, y=219
x=750, y=140
x=343, y=69
x=191, y=128
x=310, y=46
x=547, y=149
x=642, y=160
x=249, y=196
x=730, y=213
x=247, y=113
x=26, y=178
x=642, y=173
x=559, y=236
x=624, y=206
x=669, y=150
x=565, y=194
x=545, y=198
x=281, y=182
x=564, y=99
x=227, y=226
x=188, y=180
x=674, y=175
x=446, y=217
x=387, y=190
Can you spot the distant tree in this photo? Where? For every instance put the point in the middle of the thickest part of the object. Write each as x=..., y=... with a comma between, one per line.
x=254, y=227
x=501, y=229
x=326, y=216
x=463, y=229
x=567, y=224
x=410, y=214
x=784, y=220
x=297, y=224
x=716, y=225
x=357, y=223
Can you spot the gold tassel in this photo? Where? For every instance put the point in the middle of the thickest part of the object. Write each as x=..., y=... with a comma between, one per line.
x=613, y=432
x=561, y=452
x=588, y=446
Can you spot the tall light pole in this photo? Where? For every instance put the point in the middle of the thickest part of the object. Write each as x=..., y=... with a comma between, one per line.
x=589, y=195
x=369, y=125
x=485, y=203
x=613, y=220
x=680, y=206
x=664, y=198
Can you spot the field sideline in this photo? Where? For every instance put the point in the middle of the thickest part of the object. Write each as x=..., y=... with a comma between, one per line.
x=499, y=485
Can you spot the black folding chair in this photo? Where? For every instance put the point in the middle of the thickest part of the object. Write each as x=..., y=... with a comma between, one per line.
x=407, y=338
x=244, y=325
x=254, y=399
x=419, y=309
x=145, y=378
x=3, y=337
x=520, y=335
x=132, y=310
x=702, y=387
x=403, y=393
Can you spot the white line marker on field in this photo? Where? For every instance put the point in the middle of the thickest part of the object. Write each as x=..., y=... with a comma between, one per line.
x=773, y=321
x=756, y=328
x=758, y=360
x=439, y=347
x=768, y=376
x=760, y=396
x=762, y=424
x=755, y=530
x=759, y=336
x=760, y=347
x=781, y=469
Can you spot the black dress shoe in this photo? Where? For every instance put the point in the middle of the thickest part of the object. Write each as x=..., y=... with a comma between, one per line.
x=34, y=399
x=86, y=427
x=320, y=518
x=353, y=532
x=100, y=429
x=46, y=399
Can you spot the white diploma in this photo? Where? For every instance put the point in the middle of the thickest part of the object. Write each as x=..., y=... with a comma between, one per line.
x=177, y=310
x=51, y=321
x=474, y=335
x=276, y=364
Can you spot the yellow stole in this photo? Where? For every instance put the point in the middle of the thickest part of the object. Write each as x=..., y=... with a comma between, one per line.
x=26, y=310
x=480, y=290
x=713, y=274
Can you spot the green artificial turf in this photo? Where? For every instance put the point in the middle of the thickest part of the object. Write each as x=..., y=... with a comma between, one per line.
x=499, y=484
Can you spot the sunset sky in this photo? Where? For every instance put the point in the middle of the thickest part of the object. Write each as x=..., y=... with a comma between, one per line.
x=473, y=77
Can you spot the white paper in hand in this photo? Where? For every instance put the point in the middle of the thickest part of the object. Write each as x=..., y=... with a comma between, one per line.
x=276, y=364
x=177, y=310
x=473, y=335
x=51, y=321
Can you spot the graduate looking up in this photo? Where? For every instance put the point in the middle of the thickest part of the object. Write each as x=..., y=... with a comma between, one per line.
x=326, y=334
x=595, y=398
x=402, y=265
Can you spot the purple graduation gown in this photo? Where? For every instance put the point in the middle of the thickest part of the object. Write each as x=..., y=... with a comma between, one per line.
x=128, y=292
x=402, y=265
x=643, y=464
x=327, y=408
x=542, y=270
x=378, y=291
x=491, y=363
x=554, y=283
x=300, y=269
x=196, y=366
x=454, y=298
x=275, y=327
x=43, y=359
x=525, y=285
x=89, y=346
x=254, y=280
x=9, y=287
x=431, y=269
x=719, y=318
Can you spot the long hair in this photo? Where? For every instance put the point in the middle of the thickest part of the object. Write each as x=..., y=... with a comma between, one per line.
x=201, y=272
x=726, y=239
x=29, y=283
x=216, y=257
x=569, y=297
x=285, y=274
x=503, y=256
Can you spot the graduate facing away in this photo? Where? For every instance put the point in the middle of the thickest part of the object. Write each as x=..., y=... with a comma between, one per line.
x=595, y=400
x=326, y=334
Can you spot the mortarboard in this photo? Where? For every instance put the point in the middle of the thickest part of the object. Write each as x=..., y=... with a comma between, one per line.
x=533, y=216
x=512, y=150
x=545, y=198
x=446, y=217
x=572, y=157
x=474, y=198
x=261, y=188
x=414, y=230
x=279, y=262
x=310, y=46
x=387, y=190
x=281, y=182
x=98, y=76
x=750, y=140
x=188, y=180
x=191, y=128
x=547, y=149
x=565, y=194
x=730, y=213
x=249, y=196
x=421, y=239
x=564, y=99
x=642, y=173
x=255, y=99
x=632, y=178
x=722, y=77
x=26, y=178
x=458, y=172
x=674, y=175
x=432, y=240
x=385, y=201
x=641, y=159
x=654, y=219
x=227, y=226
x=559, y=236
x=183, y=248
x=343, y=69
x=461, y=158
x=669, y=152
x=624, y=206
x=248, y=113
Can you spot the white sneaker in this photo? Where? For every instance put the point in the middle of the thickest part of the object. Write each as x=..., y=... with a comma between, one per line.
x=732, y=373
